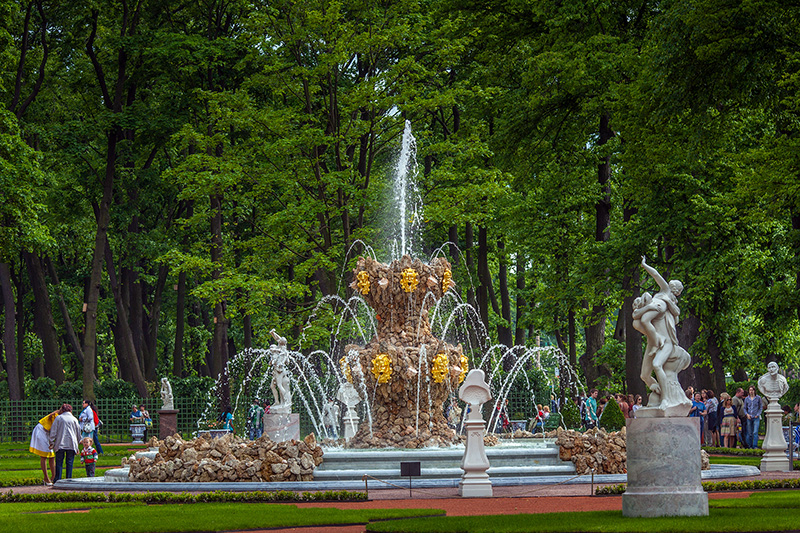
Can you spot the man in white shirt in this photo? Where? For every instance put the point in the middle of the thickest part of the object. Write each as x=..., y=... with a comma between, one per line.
x=64, y=437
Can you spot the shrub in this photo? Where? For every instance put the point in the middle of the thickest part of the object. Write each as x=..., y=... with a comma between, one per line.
x=41, y=389
x=69, y=390
x=115, y=388
x=191, y=387
x=571, y=415
x=612, y=418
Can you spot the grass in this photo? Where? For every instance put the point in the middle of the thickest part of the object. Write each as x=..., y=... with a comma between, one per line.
x=741, y=460
x=761, y=512
x=139, y=518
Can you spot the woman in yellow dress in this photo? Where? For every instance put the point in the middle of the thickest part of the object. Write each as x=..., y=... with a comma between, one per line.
x=40, y=445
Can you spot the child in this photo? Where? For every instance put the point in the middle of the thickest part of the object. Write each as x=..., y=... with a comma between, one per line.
x=88, y=456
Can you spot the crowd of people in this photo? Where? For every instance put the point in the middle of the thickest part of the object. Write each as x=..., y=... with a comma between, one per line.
x=59, y=437
x=727, y=421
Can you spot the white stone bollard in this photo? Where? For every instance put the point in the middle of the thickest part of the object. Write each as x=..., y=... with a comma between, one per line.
x=475, y=481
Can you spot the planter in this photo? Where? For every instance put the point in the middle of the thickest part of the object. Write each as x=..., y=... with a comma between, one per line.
x=137, y=432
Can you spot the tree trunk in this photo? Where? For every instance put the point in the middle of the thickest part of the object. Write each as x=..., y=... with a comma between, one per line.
x=154, y=320
x=452, y=237
x=573, y=343
x=796, y=228
x=633, y=339
x=127, y=357
x=180, y=319
x=504, y=329
x=19, y=283
x=484, y=277
x=519, y=332
x=43, y=319
x=15, y=391
x=688, y=330
x=71, y=336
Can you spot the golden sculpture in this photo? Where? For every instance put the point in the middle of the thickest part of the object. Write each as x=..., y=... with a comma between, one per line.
x=382, y=368
x=363, y=282
x=408, y=280
x=439, y=367
x=345, y=369
x=464, y=367
x=447, y=280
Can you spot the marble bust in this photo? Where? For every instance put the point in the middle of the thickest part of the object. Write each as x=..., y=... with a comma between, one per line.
x=772, y=384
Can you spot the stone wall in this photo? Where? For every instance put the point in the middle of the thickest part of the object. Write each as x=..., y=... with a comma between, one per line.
x=606, y=453
x=228, y=458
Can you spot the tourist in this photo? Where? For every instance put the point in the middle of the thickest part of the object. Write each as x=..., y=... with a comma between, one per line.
x=720, y=412
x=786, y=417
x=97, y=424
x=738, y=403
x=637, y=405
x=698, y=410
x=623, y=405
x=136, y=415
x=752, y=413
x=729, y=423
x=64, y=440
x=86, y=420
x=631, y=402
x=227, y=419
x=712, y=436
x=40, y=445
x=148, y=422
x=591, y=409
x=88, y=456
x=255, y=421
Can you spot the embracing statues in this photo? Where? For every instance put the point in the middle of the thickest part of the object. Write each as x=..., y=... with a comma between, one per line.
x=655, y=316
x=280, y=385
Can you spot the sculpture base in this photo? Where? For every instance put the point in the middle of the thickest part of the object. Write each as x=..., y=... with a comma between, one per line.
x=776, y=462
x=350, y=427
x=475, y=488
x=475, y=481
x=281, y=427
x=167, y=423
x=664, y=468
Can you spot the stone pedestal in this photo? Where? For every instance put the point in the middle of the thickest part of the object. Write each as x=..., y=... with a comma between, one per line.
x=281, y=427
x=167, y=423
x=475, y=482
x=664, y=468
x=774, y=445
x=350, y=423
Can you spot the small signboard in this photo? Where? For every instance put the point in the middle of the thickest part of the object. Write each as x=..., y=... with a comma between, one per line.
x=409, y=469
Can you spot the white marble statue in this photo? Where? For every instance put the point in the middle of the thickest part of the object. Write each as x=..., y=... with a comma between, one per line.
x=773, y=386
x=475, y=482
x=280, y=385
x=655, y=317
x=349, y=397
x=167, y=403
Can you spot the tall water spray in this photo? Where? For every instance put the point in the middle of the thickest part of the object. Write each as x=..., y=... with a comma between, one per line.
x=407, y=197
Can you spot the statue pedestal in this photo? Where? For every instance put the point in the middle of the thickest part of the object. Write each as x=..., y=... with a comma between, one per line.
x=350, y=424
x=281, y=427
x=475, y=481
x=167, y=423
x=774, y=445
x=664, y=468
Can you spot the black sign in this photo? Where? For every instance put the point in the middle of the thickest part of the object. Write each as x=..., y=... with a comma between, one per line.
x=408, y=469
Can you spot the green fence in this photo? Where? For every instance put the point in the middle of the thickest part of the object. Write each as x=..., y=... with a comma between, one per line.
x=18, y=418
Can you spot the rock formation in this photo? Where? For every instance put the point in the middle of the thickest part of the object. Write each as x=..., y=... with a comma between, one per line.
x=228, y=458
x=411, y=371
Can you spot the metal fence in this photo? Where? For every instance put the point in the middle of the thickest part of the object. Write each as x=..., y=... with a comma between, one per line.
x=18, y=418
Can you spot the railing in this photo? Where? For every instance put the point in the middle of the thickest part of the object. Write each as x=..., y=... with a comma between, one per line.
x=18, y=418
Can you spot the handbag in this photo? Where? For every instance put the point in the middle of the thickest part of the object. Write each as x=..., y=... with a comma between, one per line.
x=86, y=427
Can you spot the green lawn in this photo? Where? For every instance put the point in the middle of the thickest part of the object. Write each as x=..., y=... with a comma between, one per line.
x=140, y=518
x=746, y=460
x=761, y=512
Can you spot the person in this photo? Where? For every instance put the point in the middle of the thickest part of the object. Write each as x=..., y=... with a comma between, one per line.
x=97, y=424
x=64, y=440
x=227, y=419
x=86, y=420
x=136, y=415
x=698, y=409
x=623, y=405
x=729, y=422
x=752, y=413
x=88, y=456
x=631, y=402
x=636, y=406
x=40, y=446
x=148, y=422
x=255, y=421
x=712, y=437
x=591, y=409
x=738, y=403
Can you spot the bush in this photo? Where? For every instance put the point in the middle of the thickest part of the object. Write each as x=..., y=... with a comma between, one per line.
x=69, y=390
x=192, y=387
x=571, y=415
x=612, y=418
x=41, y=389
x=115, y=388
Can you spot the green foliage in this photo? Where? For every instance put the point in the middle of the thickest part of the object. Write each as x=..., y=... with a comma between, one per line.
x=571, y=415
x=191, y=387
x=612, y=419
x=719, y=486
x=115, y=388
x=70, y=390
x=733, y=451
x=183, y=497
x=42, y=388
